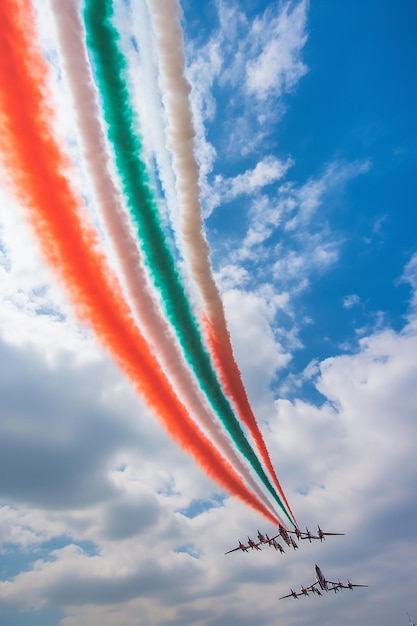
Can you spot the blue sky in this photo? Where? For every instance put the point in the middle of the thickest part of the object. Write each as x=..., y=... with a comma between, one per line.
x=306, y=136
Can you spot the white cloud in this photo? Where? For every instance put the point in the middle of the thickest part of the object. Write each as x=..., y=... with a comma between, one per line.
x=277, y=44
x=264, y=55
x=266, y=171
x=294, y=209
x=244, y=61
x=364, y=432
x=250, y=316
x=351, y=301
x=15, y=528
x=353, y=458
x=297, y=267
x=410, y=276
x=252, y=182
x=311, y=195
x=201, y=74
x=33, y=308
x=299, y=219
x=232, y=275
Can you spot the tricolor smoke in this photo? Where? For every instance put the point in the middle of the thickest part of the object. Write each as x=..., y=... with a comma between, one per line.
x=142, y=342
x=144, y=304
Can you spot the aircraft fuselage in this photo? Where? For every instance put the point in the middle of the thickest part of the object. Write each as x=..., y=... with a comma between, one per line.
x=320, y=579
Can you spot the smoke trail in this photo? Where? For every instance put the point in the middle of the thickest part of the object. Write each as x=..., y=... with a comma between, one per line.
x=76, y=66
x=36, y=165
x=180, y=139
x=102, y=39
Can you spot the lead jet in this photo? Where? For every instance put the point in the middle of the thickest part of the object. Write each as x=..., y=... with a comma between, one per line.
x=284, y=534
x=323, y=584
x=322, y=535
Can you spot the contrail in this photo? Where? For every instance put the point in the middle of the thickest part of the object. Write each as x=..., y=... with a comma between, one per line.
x=33, y=159
x=102, y=40
x=180, y=132
x=71, y=40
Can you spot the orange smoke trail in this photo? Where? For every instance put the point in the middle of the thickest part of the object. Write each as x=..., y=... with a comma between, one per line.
x=36, y=165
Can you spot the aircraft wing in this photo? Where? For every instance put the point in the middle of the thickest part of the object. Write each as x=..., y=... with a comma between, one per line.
x=244, y=549
x=334, y=583
x=309, y=536
x=253, y=544
x=291, y=595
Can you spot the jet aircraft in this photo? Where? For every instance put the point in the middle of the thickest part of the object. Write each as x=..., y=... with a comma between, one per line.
x=271, y=541
x=245, y=548
x=252, y=544
x=241, y=546
x=320, y=534
x=322, y=584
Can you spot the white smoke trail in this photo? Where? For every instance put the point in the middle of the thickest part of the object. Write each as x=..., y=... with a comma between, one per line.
x=71, y=41
x=180, y=141
x=143, y=84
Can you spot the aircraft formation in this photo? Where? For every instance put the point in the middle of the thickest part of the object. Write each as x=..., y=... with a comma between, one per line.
x=285, y=535
x=321, y=584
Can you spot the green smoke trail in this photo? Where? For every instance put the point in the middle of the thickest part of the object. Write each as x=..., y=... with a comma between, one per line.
x=110, y=69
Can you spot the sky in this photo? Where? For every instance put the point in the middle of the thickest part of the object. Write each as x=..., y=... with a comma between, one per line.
x=306, y=143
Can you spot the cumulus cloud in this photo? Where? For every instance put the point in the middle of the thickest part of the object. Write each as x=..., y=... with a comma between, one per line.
x=348, y=464
x=362, y=432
